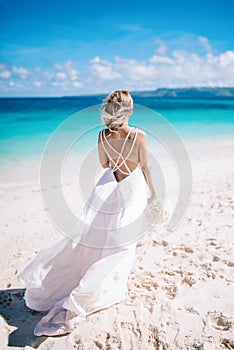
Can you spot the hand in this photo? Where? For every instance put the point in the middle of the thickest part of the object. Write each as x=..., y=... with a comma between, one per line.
x=151, y=198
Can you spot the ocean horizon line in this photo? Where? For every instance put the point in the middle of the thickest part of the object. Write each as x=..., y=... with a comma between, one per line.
x=159, y=93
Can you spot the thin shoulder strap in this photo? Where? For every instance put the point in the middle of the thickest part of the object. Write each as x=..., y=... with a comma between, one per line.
x=102, y=135
x=103, y=145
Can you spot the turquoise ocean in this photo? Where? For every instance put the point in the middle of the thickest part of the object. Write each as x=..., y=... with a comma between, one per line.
x=26, y=124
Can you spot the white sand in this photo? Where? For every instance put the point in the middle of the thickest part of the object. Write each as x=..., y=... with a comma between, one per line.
x=181, y=285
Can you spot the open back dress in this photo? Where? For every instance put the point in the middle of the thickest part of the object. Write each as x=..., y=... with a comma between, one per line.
x=72, y=279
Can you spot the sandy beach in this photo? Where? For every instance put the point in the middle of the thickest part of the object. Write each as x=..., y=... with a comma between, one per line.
x=181, y=284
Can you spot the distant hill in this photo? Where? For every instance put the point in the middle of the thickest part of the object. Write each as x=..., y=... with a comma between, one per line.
x=189, y=93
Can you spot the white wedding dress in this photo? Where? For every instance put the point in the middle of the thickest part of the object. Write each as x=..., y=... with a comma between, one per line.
x=72, y=279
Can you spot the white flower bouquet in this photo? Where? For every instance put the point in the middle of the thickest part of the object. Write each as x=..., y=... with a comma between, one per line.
x=158, y=211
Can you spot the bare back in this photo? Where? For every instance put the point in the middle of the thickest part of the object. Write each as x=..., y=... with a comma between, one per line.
x=121, y=154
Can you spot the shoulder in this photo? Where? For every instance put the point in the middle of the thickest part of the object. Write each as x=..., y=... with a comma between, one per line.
x=141, y=136
x=100, y=134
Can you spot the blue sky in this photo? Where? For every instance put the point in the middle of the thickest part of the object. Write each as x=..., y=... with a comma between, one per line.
x=54, y=48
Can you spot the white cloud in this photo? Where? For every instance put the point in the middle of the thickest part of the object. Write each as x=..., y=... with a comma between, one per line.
x=204, y=42
x=60, y=75
x=162, y=46
x=136, y=70
x=67, y=70
x=76, y=84
x=103, y=69
x=37, y=69
x=175, y=68
x=62, y=84
x=22, y=72
x=181, y=68
x=37, y=83
x=161, y=59
x=5, y=70
x=227, y=59
x=71, y=70
x=5, y=74
x=47, y=75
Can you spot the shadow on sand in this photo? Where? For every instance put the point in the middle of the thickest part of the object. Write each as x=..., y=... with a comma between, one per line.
x=17, y=314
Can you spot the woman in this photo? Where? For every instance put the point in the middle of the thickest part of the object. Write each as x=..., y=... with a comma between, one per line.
x=71, y=279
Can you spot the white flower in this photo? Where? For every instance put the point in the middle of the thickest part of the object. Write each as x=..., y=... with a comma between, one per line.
x=158, y=211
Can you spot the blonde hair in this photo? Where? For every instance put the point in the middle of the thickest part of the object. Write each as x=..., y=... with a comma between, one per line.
x=116, y=109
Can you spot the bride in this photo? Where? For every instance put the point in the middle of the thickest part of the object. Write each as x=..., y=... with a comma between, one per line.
x=71, y=280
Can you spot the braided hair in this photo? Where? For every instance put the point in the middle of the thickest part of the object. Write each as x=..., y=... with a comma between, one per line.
x=116, y=109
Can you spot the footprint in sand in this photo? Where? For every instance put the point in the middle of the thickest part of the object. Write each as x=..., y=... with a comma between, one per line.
x=78, y=344
x=153, y=337
x=98, y=344
x=171, y=291
x=113, y=341
x=229, y=263
x=219, y=321
x=228, y=343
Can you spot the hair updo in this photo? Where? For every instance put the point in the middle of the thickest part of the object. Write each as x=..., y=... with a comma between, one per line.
x=116, y=109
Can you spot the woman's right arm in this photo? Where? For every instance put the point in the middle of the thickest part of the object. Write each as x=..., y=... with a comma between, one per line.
x=143, y=159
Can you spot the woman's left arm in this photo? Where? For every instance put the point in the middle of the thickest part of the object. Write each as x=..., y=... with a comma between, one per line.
x=103, y=159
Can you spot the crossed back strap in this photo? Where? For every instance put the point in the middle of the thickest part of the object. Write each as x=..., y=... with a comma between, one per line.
x=120, y=154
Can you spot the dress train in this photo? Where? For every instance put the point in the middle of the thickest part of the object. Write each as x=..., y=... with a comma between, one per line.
x=74, y=278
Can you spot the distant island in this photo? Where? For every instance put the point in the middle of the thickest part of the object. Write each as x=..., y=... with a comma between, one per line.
x=189, y=93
